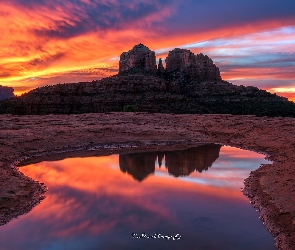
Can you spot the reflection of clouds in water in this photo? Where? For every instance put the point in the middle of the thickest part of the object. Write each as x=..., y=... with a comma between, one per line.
x=91, y=202
x=240, y=163
x=63, y=219
x=229, y=170
x=232, y=152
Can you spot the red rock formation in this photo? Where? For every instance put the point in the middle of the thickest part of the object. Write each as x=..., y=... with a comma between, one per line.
x=161, y=68
x=179, y=59
x=193, y=86
x=180, y=63
x=207, y=69
x=139, y=57
x=193, y=67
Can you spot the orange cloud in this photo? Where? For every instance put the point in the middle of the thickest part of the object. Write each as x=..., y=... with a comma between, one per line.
x=70, y=42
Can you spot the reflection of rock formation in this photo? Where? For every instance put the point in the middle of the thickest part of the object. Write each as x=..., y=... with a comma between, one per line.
x=179, y=163
x=139, y=165
x=184, y=162
x=160, y=158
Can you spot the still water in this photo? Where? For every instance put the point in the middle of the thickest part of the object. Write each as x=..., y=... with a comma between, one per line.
x=139, y=200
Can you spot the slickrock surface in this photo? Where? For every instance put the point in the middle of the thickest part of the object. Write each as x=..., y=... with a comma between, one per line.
x=271, y=188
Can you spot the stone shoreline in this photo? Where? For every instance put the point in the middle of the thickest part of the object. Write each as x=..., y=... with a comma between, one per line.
x=271, y=188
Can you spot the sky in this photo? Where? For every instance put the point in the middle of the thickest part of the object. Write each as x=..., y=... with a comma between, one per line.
x=50, y=42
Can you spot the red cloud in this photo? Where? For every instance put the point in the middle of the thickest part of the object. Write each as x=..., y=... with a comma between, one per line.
x=45, y=42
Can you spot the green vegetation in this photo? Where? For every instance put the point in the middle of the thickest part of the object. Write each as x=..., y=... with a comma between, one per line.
x=130, y=108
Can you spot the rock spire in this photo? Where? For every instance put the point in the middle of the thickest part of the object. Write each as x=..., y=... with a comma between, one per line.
x=138, y=57
x=179, y=61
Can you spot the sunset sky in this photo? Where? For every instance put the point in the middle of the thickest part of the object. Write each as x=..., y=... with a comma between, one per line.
x=49, y=42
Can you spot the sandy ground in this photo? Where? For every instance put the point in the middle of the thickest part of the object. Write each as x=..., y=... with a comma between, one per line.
x=271, y=188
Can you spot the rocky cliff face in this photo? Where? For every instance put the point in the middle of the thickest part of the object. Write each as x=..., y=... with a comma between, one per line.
x=6, y=92
x=179, y=59
x=182, y=63
x=139, y=57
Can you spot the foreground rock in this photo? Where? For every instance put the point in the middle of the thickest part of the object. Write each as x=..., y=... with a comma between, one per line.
x=270, y=188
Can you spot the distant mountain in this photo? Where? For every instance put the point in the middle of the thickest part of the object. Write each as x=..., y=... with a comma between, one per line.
x=6, y=92
x=189, y=84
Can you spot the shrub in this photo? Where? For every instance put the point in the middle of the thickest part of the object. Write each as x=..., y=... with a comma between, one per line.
x=129, y=108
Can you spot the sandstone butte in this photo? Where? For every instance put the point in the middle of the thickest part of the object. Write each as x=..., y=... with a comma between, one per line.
x=188, y=84
x=33, y=138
